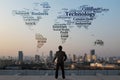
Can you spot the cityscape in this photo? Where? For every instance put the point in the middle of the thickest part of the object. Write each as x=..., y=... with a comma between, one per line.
x=88, y=61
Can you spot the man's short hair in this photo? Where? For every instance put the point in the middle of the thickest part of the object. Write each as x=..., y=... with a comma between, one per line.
x=60, y=47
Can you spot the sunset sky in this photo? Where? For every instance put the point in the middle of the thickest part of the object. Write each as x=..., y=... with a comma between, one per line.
x=16, y=36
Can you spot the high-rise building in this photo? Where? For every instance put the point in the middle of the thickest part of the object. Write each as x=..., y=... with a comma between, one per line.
x=74, y=58
x=80, y=59
x=20, y=57
x=85, y=57
x=88, y=57
x=92, y=52
x=51, y=55
x=93, y=56
x=37, y=58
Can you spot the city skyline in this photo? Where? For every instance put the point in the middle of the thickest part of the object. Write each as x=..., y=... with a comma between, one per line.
x=16, y=36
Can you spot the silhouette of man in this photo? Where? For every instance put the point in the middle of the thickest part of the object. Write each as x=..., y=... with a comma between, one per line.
x=61, y=57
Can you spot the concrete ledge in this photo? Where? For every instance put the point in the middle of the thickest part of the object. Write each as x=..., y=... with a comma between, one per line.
x=73, y=77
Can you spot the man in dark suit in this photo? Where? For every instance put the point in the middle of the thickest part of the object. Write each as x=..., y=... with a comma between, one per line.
x=61, y=57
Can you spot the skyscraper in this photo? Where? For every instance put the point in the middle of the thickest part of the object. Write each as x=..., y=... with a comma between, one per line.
x=92, y=52
x=37, y=58
x=93, y=56
x=51, y=55
x=74, y=58
x=20, y=57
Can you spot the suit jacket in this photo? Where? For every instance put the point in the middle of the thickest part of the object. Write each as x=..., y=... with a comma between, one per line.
x=60, y=56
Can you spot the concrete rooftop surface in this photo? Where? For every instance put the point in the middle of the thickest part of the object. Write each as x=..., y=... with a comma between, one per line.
x=72, y=77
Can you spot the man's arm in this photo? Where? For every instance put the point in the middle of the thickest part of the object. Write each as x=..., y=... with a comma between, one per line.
x=65, y=57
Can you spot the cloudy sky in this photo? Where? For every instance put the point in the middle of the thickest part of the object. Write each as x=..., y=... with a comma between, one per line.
x=16, y=36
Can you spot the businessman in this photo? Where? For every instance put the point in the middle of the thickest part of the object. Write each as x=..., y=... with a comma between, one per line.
x=60, y=56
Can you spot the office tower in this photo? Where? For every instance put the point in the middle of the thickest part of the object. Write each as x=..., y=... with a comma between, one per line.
x=85, y=57
x=37, y=58
x=74, y=58
x=80, y=59
x=88, y=57
x=20, y=57
x=93, y=56
x=51, y=55
x=92, y=52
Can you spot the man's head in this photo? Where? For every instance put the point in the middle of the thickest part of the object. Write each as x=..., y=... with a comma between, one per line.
x=60, y=48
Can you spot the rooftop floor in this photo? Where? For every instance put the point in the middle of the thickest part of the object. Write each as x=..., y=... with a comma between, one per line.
x=73, y=77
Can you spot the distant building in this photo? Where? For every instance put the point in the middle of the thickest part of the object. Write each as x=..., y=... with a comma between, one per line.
x=80, y=59
x=74, y=58
x=37, y=58
x=51, y=55
x=96, y=65
x=5, y=62
x=93, y=56
x=92, y=52
x=118, y=61
x=88, y=57
x=20, y=57
x=85, y=57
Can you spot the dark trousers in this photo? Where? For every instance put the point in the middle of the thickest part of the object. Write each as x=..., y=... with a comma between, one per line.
x=61, y=65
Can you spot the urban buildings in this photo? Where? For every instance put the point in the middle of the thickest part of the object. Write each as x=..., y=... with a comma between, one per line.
x=86, y=61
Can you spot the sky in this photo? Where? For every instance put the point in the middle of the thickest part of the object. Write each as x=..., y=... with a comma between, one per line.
x=16, y=36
